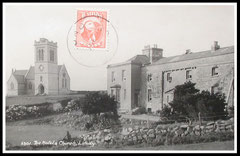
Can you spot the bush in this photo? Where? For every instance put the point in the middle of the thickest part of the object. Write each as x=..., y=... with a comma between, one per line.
x=188, y=102
x=96, y=103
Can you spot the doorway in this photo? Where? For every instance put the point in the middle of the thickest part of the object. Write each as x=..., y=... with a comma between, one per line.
x=40, y=89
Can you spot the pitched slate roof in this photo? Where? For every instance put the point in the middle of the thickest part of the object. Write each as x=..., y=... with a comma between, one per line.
x=20, y=72
x=196, y=55
x=138, y=59
x=30, y=73
x=19, y=78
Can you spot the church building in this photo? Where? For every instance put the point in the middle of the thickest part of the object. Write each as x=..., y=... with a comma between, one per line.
x=45, y=78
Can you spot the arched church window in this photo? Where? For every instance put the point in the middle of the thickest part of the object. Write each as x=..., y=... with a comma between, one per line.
x=62, y=83
x=40, y=54
x=30, y=85
x=51, y=55
x=12, y=85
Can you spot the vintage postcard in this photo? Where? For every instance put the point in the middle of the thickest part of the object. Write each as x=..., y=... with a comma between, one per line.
x=119, y=78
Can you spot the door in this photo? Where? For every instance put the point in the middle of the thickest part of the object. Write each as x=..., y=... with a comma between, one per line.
x=136, y=99
x=40, y=89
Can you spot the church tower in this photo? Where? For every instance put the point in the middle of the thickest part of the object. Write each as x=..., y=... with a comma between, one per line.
x=46, y=67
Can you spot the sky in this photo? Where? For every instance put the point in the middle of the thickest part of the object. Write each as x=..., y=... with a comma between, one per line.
x=174, y=28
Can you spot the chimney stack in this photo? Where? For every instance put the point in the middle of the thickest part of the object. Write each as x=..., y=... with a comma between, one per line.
x=188, y=51
x=153, y=53
x=215, y=46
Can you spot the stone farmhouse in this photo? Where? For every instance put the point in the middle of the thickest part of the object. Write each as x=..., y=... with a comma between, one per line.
x=148, y=80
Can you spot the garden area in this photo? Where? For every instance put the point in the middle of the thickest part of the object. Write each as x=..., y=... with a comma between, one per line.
x=93, y=122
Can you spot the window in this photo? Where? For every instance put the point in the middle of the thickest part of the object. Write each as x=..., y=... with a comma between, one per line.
x=167, y=99
x=112, y=92
x=188, y=74
x=40, y=55
x=125, y=94
x=30, y=85
x=214, y=71
x=64, y=75
x=65, y=83
x=62, y=83
x=214, y=89
x=117, y=95
x=12, y=85
x=123, y=75
x=41, y=78
x=51, y=55
x=149, y=94
x=169, y=78
x=113, y=76
x=149, y=77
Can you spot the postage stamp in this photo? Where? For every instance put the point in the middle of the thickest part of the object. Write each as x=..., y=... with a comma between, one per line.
x=91, y=29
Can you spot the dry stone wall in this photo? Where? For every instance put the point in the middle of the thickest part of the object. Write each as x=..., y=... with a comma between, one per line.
x=139, y=134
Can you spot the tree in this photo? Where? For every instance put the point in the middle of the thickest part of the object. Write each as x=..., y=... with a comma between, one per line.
x=188, y=102
x=96, y=103
x=184, y=100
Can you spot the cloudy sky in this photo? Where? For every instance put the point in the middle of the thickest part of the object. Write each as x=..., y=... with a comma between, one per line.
x=174, y=28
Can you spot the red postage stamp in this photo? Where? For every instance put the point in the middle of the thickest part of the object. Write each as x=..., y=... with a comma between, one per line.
x=91, y=29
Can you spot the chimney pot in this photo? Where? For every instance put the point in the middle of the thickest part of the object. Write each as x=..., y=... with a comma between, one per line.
x=188, y=51
x=215, y=46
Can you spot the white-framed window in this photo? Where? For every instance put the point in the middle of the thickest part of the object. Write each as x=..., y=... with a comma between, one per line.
x=112, y=92
x=125, y=93
x=123, y=75
x=169, y=78
x=149, y=77
x=214, y=71
x=113, y=76
x=12, y=85
x=214, y=89
x=188, y=74
x=149, y=94
x=118, y=94
x=51, y=55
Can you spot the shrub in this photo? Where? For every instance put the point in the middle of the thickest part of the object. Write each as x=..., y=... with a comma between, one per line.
x=96, y=103
x=188, y=102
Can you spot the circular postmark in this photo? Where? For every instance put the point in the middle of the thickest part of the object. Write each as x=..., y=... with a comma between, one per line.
x=92, y=40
